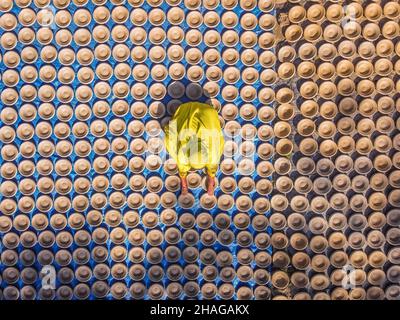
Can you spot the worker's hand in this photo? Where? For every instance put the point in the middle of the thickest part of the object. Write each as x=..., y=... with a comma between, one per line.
x=184, y=185
x=210, y=185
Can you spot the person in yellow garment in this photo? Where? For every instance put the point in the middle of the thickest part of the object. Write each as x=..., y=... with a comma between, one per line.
x=195, y=141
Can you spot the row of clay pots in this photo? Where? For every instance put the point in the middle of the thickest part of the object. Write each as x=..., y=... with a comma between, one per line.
x=327, y=52
x=344, y=68
x=300, y=260
x=352, y=30
x=138, y=290
x=280, y=280
x=246, y=166
x=157, y=54
x=340, y=182
x=211, y=56
x=244, y=273
x=137, y=17
x=135, y=200
x=136, y=272
x=120, y=254
x=373, y=277
x=335, y=12
x=374, y=239
x=282, y=166
x=140, y=72
x=230, y=93
x=319, y=263
x=329, y=148
x=138, y=36
x=244, y=154
x=321, y=282
x=297, y=241
x=117, y=127
x=175, y=290
x=347, y=128
x=101, y=146
x=335, y=221
x=101, y=165
x=119, y=181
x=372, y=293
x=248, y=5
x=230, y=56
x=151, y=149
x=322, y=185
x=338, y=201
x=344, y=164
x=326, y=71
x=100, y=109
x=315, y=13
x=155, y=237
x=241, y=221
x=282, y=116
x=346, y=87
x=122, y=71
x=97, y=128
x=139, y=91
x=168, y=217
x=349, y=107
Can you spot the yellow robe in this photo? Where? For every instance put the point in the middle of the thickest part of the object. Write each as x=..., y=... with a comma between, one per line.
x=194, y=138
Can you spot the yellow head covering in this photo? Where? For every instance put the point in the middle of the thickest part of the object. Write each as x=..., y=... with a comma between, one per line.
x=194, y=138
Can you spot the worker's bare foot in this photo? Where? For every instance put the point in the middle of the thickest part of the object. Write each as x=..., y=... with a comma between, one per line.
x=210, y=185
x=185, y=189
